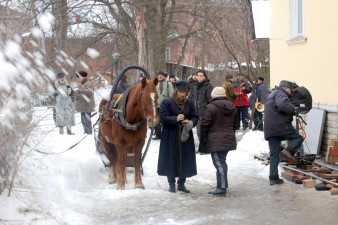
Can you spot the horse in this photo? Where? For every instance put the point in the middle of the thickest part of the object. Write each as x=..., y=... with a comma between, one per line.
x=118, y=138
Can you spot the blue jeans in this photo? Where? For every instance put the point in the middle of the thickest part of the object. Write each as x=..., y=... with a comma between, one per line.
x=296, y=141
x=218, y=159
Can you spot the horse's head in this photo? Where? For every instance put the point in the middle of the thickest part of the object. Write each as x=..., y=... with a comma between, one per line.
x=149, y=98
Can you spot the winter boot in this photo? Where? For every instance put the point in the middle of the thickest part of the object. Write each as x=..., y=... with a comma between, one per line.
x=69, y=131
x=171, y=181
x=288, y=156
x=182, y=188
x=172, y=188
x=61, y=130
x=275, y=180
x=218, y=191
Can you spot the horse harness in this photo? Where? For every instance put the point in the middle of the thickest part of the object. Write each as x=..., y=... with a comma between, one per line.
x=117, y=110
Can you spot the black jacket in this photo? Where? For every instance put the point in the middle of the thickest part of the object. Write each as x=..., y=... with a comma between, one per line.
x=218, y=126
x=202, y=95
x=191, y=84
x=278, y=114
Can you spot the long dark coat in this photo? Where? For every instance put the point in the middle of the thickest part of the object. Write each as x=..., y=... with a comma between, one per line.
x=168, y=159
x=218, y=126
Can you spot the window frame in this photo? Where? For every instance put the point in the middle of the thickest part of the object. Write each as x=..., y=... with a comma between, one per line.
x=167, y=53
x=297, y=25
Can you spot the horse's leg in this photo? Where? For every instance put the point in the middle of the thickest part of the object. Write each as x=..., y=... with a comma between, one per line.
x=122, y=156
x=113, y=166
x=137, y=165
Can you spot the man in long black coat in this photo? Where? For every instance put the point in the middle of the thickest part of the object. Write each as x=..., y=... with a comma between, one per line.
x=177, y=158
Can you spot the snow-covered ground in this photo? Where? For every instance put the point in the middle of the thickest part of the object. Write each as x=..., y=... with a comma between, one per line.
x=49, y=187
x=54, y=186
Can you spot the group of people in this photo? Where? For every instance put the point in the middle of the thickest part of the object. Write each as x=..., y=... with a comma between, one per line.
x=216, y=113
x=64, y=111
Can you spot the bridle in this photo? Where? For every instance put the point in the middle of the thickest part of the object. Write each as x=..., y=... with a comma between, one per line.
x=118, y=110
x=152, y=103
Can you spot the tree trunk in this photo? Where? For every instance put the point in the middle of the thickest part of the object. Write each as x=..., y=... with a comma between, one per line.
x=141, y=40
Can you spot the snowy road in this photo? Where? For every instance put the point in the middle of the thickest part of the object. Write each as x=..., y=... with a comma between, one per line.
x=71, y=188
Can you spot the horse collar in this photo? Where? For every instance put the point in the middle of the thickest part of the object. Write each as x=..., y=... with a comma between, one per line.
x=120, y=118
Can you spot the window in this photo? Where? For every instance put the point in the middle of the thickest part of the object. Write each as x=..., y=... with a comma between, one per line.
x=167, y=53
x=297, y=19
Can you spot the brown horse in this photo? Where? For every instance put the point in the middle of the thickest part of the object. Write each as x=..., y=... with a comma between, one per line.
x=117, y=140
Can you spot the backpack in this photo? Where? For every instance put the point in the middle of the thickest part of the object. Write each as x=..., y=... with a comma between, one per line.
x=302, y=99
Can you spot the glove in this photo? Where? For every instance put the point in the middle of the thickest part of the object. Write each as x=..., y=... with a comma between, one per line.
x=187, y=126
x=69, y=91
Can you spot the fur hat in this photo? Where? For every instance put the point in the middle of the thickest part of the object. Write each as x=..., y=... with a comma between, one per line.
x=218, y=92
x=160, y=72
x=181, y=85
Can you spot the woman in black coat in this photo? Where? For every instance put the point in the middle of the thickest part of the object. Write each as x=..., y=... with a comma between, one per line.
x=218, y=135
x=177, y=158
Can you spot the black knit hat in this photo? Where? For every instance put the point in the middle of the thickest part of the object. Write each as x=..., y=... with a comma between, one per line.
x=60, y=75
x=260, y=78
x=171, y=75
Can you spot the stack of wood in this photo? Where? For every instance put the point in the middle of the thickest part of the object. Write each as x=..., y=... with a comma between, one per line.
x=332, y=152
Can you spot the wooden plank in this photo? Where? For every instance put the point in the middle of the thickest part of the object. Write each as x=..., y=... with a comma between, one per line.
x=335, y=144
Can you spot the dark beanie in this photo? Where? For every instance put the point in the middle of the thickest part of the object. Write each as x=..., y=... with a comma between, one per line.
x=285, y=83
x=60, y=75
x=171, y=75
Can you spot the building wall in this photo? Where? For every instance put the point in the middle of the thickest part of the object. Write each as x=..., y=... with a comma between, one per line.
x=311, y=63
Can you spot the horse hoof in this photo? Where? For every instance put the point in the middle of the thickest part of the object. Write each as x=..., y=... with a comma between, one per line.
x=141, y=186
x=112, y=180
x=119, y=187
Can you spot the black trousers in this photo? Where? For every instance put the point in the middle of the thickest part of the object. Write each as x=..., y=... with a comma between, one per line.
x=258, y=120
x=86, y=122
x=242, y=113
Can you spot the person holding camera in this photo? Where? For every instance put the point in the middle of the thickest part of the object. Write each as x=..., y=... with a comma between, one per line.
x=278, y=116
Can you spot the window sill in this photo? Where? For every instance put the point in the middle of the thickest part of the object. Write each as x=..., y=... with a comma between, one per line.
x=301, y=39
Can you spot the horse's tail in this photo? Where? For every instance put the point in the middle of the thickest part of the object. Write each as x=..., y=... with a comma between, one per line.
x=102, y=103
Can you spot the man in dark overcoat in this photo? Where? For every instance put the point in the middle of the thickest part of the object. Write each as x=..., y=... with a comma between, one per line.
x=201, y=95
x=177, y=157
x=278, y=116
